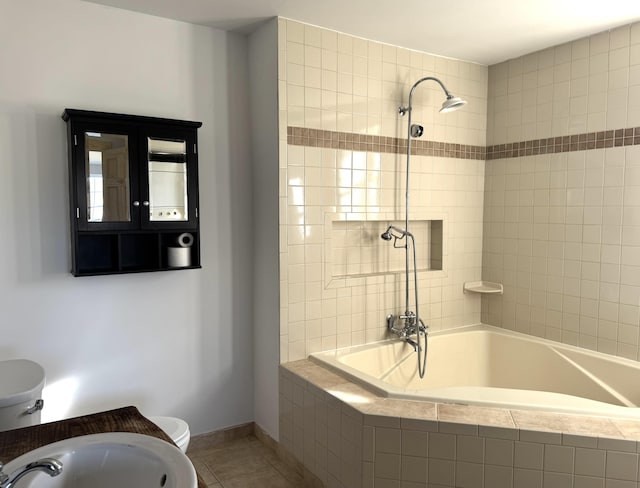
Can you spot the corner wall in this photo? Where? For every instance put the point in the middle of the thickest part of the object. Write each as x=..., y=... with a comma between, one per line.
x=562, y=214
x=263, y=81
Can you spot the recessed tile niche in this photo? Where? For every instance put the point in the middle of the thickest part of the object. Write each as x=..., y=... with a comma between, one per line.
x=356, y=250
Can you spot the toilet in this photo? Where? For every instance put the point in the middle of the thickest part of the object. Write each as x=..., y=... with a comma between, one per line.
x=175, y=428
x=21, y=384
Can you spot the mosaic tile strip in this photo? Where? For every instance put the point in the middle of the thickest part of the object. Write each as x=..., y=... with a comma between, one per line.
x=576, y=142
x=300, y=136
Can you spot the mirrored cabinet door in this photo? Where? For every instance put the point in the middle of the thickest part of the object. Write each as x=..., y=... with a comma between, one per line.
x=167, y=175
x=107, y=174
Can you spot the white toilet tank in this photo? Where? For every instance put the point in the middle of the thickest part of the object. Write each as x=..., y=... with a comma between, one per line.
x=21, y=384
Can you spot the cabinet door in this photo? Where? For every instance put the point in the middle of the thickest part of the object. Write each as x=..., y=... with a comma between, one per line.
x=170, y=196
x=105, y=168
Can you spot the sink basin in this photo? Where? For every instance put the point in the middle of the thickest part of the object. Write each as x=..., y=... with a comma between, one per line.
x=108, y=460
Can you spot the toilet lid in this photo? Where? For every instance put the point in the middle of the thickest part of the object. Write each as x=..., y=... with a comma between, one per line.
x=175, y=428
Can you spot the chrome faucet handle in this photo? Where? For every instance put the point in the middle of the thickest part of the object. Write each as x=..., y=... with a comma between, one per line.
x=391, y=320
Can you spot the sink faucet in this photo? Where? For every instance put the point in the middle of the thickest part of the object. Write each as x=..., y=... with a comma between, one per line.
x=51, y=466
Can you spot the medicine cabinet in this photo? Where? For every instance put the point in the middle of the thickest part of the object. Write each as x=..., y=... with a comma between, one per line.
x=133, y=193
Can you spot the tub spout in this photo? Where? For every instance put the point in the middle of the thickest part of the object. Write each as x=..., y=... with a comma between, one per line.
x=412, y=343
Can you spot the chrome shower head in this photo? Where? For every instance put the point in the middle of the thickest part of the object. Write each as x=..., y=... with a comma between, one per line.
x=452, y=103
x=394, y=232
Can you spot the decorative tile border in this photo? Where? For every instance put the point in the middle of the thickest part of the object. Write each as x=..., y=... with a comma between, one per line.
x=576, y=142
x=301, y=136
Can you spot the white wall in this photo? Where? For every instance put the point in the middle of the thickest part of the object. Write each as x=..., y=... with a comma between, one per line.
x=173, y=343
x=263, y=71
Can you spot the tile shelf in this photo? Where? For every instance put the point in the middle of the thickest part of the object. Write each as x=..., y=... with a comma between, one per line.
x=483, y=287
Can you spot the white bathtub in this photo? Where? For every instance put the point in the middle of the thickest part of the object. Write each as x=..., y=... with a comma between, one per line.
x=493, y=367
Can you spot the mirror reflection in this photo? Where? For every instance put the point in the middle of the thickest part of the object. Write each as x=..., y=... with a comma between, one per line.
x=107, y=170
x=167, y=180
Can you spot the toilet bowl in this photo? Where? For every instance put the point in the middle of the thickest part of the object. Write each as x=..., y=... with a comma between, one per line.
x=175, y=428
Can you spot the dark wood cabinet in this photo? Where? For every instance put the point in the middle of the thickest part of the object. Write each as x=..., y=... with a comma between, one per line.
x=133, y=193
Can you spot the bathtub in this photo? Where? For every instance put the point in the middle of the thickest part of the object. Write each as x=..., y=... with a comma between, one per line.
x=492, y=367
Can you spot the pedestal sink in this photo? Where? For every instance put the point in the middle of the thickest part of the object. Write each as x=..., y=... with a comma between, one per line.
x=116, y=459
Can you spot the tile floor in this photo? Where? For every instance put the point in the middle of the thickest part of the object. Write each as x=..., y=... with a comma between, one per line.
x=243, y=463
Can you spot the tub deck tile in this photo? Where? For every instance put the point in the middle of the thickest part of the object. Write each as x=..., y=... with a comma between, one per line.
x=352, y=394
x=630, y=429
x=565, y=423
x=469, y=414
x=391, y=407
x=314, y=374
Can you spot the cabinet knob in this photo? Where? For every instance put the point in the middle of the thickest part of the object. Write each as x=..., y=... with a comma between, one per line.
x=145, y=203
x=136, y=203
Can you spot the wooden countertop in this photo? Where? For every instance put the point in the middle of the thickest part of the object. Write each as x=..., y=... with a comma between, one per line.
x=14, y=443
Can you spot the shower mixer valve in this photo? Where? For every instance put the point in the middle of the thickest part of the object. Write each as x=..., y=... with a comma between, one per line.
x=409, y=327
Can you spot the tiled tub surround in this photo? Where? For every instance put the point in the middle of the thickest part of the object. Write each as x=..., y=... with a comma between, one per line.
x=559, y=231
x=562, y=229
x=559, y=133
x=487, y=366
x=348, y=437
x=342, y=158
x=321, y=308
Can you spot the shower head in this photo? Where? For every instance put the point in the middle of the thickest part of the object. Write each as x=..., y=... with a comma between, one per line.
x=449, y=105
x=452, y=103
x=395, y=233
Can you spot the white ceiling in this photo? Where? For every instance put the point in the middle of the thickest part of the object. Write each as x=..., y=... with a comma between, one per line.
x=483, y=31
